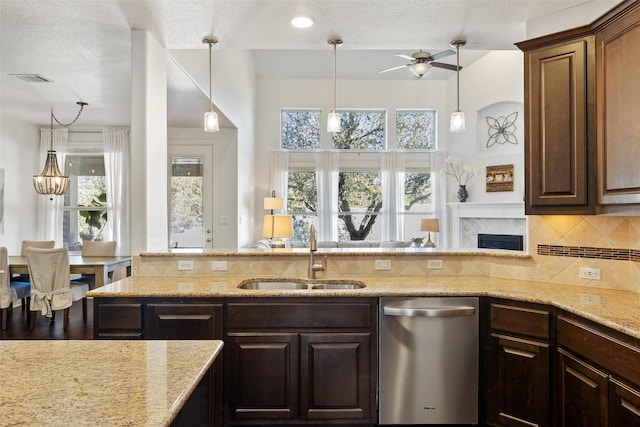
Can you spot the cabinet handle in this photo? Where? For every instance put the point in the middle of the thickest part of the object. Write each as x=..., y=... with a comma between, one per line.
x=517, y=352
x=390, y=310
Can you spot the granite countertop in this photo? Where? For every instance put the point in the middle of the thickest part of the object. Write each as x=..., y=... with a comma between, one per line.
x=86, y=383
x=619, y=310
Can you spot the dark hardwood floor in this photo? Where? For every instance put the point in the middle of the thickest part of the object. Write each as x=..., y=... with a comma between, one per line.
x=17, y=328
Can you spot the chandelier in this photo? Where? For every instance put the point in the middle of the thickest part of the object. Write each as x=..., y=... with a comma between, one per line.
x=51, y=181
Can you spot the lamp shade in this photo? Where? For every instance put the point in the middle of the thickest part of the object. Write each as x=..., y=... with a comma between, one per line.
x=211, y=122
x=273, y=203
x=333, y=122
x=457, y=121
x=278, y=226
x=430, y=224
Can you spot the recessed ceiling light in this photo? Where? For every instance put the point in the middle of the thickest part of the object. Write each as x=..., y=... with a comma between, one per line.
x=302, y=22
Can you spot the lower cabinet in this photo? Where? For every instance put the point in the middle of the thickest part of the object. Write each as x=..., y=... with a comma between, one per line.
x=598, y=375
x=301, y=361
x=518, y=379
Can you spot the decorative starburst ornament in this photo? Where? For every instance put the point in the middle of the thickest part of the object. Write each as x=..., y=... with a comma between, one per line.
x=502, y=130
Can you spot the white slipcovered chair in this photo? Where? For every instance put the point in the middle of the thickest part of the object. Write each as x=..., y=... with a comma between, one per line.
x=22, y=278
x=91, y=248
x=51, y=286
x=9, y=291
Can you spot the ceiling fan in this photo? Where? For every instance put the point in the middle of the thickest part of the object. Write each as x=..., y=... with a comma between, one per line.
x=421, y=62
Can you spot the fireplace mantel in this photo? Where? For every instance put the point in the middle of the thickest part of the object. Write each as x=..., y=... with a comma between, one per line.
x=478, y=210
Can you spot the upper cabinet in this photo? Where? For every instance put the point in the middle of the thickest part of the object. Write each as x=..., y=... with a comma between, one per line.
x=582, y=127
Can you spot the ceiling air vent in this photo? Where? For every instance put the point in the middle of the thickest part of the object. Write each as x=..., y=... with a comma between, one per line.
x=33, y=78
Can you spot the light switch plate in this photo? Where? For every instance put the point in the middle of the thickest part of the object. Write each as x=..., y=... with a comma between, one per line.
x=185, y=265
x=590, y=273
x=434, y=264
x=383, y=264
x=219, y=265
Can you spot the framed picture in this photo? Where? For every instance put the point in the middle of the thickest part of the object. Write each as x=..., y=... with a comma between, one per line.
x=499, y=178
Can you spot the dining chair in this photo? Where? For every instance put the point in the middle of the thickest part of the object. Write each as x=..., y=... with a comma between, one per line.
x=10, y=291
x=24, y=278
x=92, y=248
x=51, y=286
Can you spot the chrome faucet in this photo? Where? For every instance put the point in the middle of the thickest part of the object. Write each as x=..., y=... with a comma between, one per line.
x=313, y=247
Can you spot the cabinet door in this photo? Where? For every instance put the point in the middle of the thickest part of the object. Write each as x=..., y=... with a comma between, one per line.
x=337, y=379
x=618, y=110
x=117, y=321
x=583, y=393
x=560, y=130
x=261, y=376
x=518, y=382
x=624, y=404
x=184, y=321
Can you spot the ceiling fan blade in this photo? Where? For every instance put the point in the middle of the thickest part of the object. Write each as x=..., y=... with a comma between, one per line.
x=446, y=66
x=400, y=55
x=442, y=54
x=394, y=68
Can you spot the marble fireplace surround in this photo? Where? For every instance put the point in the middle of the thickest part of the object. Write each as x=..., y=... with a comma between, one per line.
x=469, y=219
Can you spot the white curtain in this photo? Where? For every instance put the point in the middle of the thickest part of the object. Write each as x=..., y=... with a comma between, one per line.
x=279, y=169
x=327, y=170
x=116, y=164
x=50, y=208
x=393, y=165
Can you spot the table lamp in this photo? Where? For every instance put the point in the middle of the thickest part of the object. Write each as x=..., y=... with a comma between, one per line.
x=277, y=227
x=430, y=225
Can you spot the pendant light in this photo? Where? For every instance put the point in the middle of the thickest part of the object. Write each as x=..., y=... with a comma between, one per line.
x=51, y=181
x=210, y=117
x=457, y=117
x=333, y=121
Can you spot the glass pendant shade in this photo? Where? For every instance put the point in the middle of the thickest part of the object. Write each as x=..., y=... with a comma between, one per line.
x=457, y=121
x=333, y=122
x=211, y=122
x=51, y=181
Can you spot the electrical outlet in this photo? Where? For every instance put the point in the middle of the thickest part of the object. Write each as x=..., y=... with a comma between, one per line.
x=434, y=264
x=219, y=265
x=185, y=265
x=383, y=264
x=590, y=273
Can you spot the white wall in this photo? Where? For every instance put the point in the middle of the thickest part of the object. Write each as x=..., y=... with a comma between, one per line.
x=19, y=142
x=496, y=78
x=234, y=93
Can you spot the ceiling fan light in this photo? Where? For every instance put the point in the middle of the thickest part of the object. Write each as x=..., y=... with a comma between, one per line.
x=421, y=68
x=333, y=122
x=457, y=121
x=211, y=122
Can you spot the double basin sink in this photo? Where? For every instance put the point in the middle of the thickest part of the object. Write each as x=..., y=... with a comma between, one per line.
x=288, y=284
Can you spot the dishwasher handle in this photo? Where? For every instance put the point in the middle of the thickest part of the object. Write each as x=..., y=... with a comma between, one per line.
x=391, y=310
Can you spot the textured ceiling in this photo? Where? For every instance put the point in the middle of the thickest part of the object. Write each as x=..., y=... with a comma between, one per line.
x=84, y=46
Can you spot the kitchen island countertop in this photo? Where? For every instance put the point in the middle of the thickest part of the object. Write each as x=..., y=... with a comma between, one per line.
x=94, y=383
x=619, y=310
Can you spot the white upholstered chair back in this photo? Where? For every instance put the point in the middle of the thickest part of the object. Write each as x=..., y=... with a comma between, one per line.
x=43, y=244
x=91, y=248
x=5, y=289
x=50, y=279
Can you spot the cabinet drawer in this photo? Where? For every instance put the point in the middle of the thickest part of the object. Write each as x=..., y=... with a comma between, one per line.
x=119, y=320
x=298, y=315
x=520, y=320
x=617, y=357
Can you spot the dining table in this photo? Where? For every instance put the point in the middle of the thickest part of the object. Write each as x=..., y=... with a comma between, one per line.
x=101, y=266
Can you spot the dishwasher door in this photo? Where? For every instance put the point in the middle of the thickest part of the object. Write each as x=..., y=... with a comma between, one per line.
x=428, y=360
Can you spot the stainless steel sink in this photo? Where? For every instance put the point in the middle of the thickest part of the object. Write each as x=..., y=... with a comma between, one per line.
x=272, y=286
x=299, y=284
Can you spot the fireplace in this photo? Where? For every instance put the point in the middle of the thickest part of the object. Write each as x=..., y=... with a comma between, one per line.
x=512, y=242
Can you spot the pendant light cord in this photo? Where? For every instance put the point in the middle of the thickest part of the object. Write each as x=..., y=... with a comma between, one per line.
x=458, y=76
x=210, y=98
x=335, y=91
x=53, y=117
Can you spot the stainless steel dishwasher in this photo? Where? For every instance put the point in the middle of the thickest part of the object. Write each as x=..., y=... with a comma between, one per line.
x=428, y=360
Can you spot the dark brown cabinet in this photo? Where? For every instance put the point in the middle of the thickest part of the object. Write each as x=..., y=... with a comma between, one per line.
x=598, y=375
x=518, y=386
x=184, y=321
x=304, y=361
x=582, y=136
x=560, y=144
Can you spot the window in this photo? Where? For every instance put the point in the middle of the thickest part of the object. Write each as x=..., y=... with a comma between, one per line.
x=85, y=204
x=358, y=189
x=300, y=129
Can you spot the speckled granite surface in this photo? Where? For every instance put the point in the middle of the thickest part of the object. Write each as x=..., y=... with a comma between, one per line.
x=619, y=310
x=86, y=383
